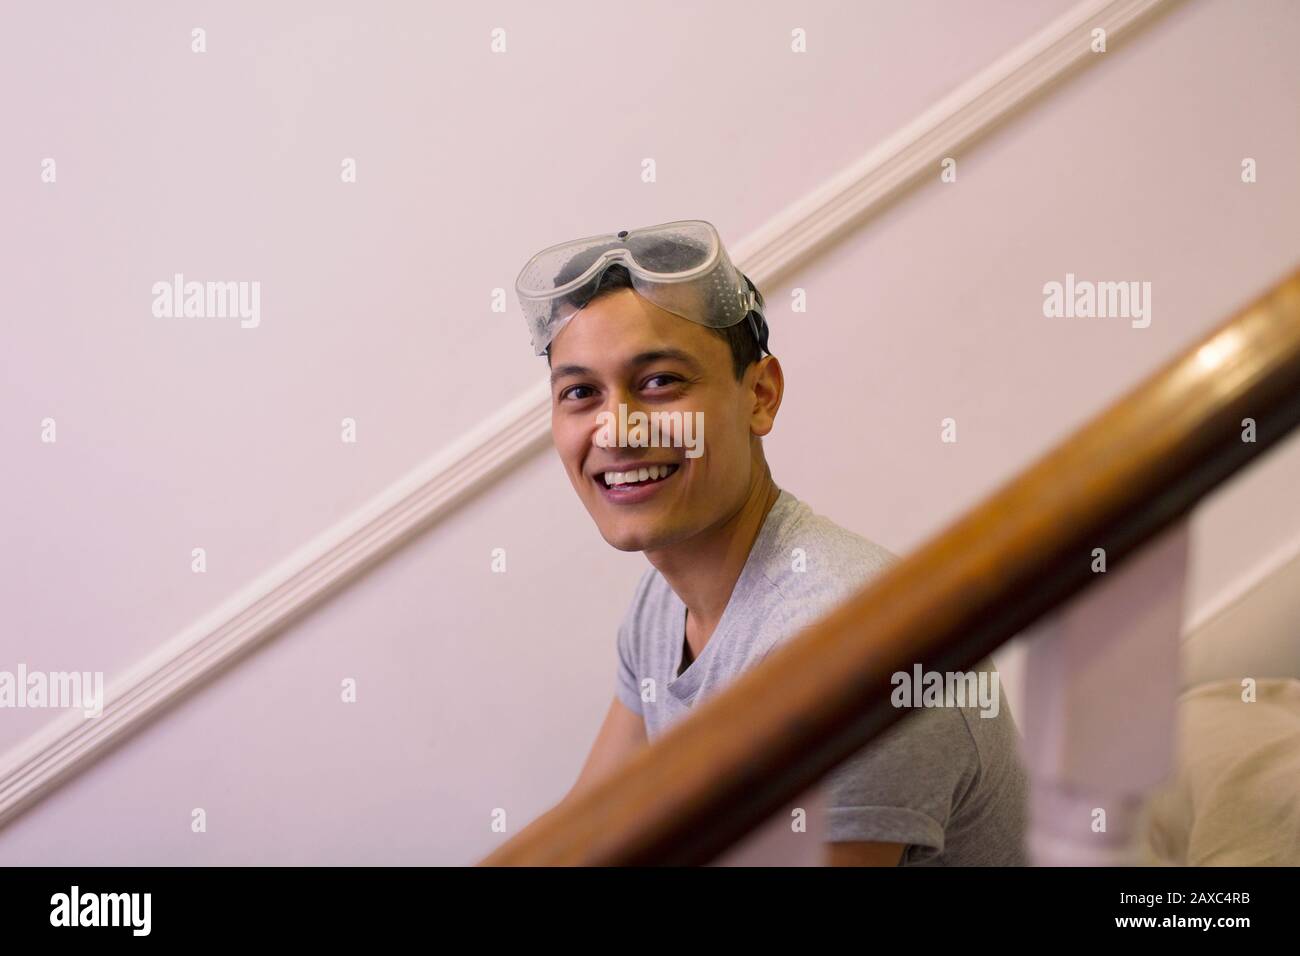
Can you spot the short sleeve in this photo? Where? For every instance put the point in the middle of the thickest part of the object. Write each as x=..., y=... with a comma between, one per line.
x=626, y=685
x=904, y=785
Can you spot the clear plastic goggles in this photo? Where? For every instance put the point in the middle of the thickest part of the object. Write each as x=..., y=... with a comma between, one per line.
x=681, y=267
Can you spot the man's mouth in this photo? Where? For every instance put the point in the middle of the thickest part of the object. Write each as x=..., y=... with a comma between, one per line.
x=637, y=476
x=635, y=484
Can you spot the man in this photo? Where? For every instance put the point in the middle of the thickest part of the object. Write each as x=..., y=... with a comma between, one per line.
x=657, y=325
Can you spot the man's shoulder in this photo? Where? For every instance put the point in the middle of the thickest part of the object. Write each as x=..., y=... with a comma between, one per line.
x=650, y=587
x=652, y=600
x=817, y=560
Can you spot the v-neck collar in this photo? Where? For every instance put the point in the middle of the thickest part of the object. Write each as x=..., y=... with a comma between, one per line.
x=686, y=685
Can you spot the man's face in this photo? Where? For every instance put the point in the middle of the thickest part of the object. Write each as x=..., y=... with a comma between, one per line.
x=623, y=349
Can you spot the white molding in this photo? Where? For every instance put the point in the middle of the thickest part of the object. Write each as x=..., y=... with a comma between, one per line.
x=960, y=118
x=1284, y=559
x=322, y=566
x=259, y=610
x=1248, y=628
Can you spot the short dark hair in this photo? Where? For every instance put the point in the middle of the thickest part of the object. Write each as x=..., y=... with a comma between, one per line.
x=741, y=338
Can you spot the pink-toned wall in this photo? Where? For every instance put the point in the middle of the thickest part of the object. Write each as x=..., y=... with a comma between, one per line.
x=477, y=690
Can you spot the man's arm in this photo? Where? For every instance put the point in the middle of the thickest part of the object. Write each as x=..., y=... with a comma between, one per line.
x=863, y=854
x=621, y=735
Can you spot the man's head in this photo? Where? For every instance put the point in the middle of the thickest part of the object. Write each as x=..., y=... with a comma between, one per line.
x=622, y=349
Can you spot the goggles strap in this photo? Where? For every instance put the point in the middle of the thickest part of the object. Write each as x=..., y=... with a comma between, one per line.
x=759, y=325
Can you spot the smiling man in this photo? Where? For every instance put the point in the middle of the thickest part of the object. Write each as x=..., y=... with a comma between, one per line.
x=656, y=324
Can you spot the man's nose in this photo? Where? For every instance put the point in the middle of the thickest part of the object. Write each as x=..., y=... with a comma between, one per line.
x=605, y=422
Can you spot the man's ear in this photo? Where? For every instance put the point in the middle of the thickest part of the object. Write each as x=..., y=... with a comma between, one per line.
x=768, y=387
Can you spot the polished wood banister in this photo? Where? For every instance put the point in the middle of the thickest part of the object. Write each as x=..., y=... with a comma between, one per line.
x=1115, y=483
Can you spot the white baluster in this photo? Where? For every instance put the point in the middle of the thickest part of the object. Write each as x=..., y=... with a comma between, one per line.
x=1101, y=691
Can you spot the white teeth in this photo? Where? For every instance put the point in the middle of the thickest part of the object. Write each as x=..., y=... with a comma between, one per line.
x=653, y=472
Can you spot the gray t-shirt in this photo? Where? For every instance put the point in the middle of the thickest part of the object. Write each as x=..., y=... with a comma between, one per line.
x=946, y=781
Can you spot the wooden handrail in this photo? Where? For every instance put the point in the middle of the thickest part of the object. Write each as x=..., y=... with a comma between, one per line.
x=1116, y=482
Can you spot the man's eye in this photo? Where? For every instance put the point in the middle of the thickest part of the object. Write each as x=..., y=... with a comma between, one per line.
x=569, y=393
x=668, y=379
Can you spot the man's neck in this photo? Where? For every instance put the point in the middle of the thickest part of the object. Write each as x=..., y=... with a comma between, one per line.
x=703, y=570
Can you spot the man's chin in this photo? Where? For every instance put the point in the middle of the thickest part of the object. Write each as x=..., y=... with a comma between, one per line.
x=644, y=538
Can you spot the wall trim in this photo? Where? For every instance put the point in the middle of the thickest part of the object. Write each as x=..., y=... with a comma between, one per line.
x=1281, y=560
x=341, y=553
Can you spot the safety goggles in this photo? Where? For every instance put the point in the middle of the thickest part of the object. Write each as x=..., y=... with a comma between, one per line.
x=681, y=267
